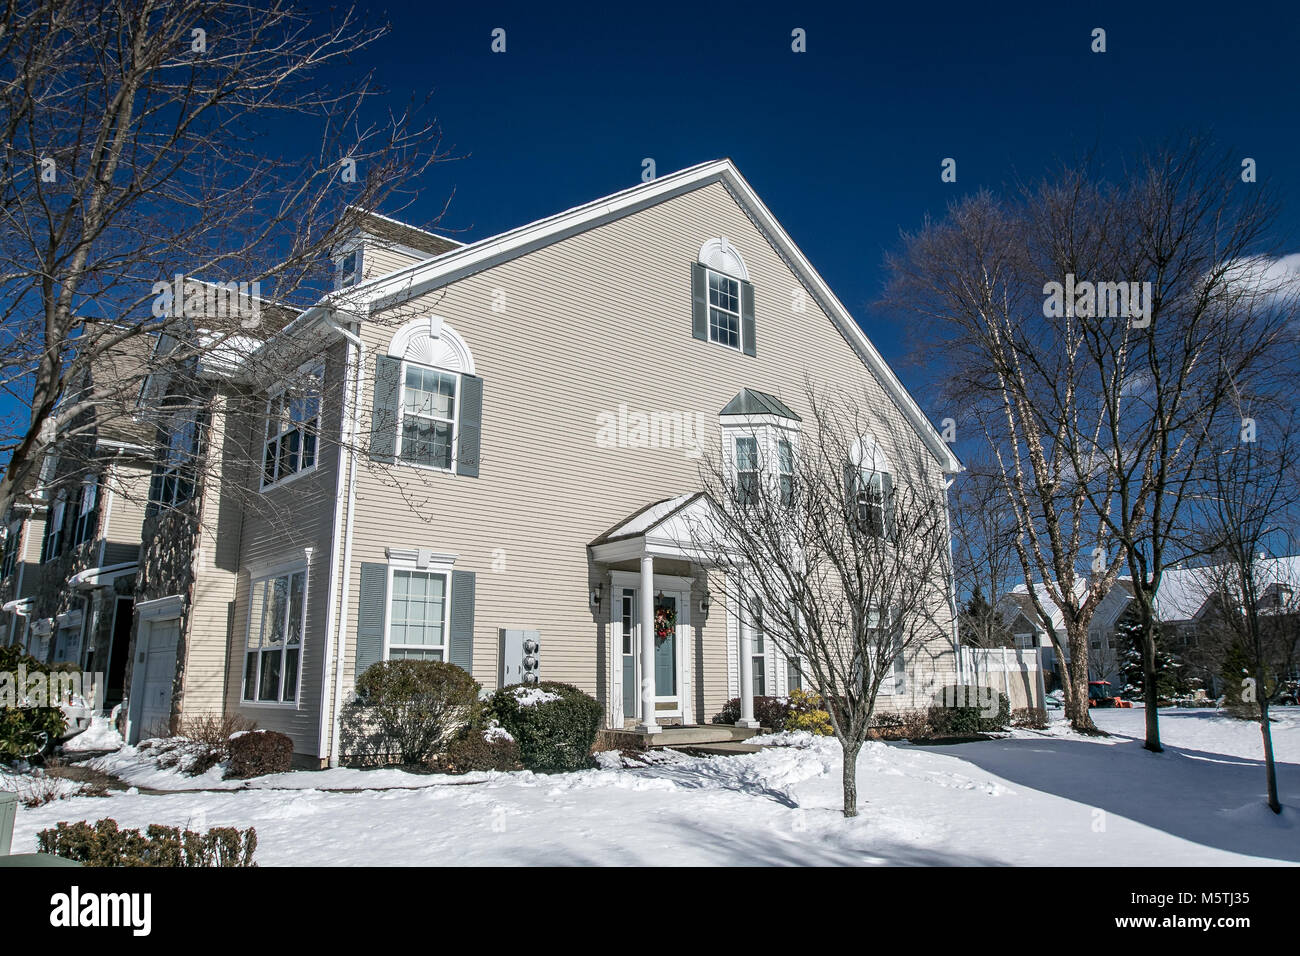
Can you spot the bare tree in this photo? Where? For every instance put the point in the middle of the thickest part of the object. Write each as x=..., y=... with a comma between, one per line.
x=1167, y=377
x=137, y=152
x=1250, y=497
x=977, y=280
x=984, y=556
x=848, y=566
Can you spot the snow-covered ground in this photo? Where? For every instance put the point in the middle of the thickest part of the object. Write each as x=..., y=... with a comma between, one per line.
x=1033, y=798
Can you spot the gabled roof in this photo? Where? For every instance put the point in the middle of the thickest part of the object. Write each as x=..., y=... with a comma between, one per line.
x=749, y=401
x=1184, y=592
x=391, y=230
x=382, y=291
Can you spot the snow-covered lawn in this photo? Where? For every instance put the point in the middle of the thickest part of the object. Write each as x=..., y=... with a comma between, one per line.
x=1050, y=798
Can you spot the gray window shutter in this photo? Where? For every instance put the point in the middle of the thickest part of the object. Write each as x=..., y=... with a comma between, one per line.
x=383, y=415
x=470, y=431
x=461, y=643
x=747, y=317
x=699, y=301
x=370, y=615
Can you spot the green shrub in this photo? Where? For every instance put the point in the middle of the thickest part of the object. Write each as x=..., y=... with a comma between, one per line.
x=554, y=724
x=105, y=845
x=408, y=709
x=806, y=712
x=480, y=749
x=257, y=752
x=957, y=712
x=25, y=732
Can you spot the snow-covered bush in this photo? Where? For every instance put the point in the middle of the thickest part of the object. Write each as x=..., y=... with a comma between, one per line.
x=554, y=724
x=408, y=710
x=257, y=752
x=479, y=748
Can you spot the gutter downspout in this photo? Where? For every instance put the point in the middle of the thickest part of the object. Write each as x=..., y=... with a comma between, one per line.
x=952, y=590
x=340, y=625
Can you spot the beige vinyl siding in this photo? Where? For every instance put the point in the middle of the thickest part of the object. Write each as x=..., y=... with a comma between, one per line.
x=596, y=320
x=379, y=258
x=276, y=525
x=127, y=487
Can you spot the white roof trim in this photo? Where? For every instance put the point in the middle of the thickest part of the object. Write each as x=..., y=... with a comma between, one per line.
x=101, y=577
x=377, y=293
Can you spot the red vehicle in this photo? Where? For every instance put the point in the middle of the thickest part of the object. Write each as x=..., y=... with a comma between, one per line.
x=1100, y=695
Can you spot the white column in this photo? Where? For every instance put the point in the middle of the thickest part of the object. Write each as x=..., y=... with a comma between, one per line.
x=746, y=664
x=648, y=724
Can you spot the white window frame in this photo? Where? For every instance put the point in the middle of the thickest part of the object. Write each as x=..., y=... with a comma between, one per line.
x=739, y=313
x=287, y=571
x=176, y=463
x=767, y=442
x=9, y=559
x=441, y=569
x=345, y=279
x=455, y=418
x=56, y=514
x=276, y=399
x=85, y=510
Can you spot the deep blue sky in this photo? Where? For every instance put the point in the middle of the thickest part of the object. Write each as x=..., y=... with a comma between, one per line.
x=843, y=142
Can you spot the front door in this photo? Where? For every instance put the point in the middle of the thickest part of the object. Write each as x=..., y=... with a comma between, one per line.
x=666, y=647
x=670, y=624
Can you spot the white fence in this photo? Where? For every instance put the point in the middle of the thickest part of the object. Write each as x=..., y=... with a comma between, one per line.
x=1016, y=672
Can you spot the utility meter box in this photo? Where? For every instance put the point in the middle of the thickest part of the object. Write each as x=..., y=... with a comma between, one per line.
x=520, y=656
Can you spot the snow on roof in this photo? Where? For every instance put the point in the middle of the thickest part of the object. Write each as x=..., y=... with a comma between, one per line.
x=646, y=518
x=1184, y=591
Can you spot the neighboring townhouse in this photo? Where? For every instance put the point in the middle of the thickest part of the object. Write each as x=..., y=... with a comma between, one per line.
x=20, y=567
x=88, y=504
x=1028, y=628
x=476, y=445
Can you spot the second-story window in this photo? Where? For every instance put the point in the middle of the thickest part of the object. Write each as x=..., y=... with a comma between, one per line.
x=428, y=432
x=13, y=539
x=292, y=430
x=173, y=482
x=87, y=511
x=54, y=527
x=747, y=469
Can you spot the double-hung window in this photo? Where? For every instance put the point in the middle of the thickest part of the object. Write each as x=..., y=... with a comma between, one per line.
x=54, y=527
x=349, y=269
x=274, y=647
x=174, y=480
x=292, y=430
x=87, y=502
x=417, y=616
x=747, y=469
x=428, y=409
x=785, y=469
x=869, y=500
x=759, y=651
x=724, y=309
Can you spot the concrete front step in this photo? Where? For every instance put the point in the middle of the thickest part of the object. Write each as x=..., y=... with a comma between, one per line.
x=701, y=734
x=728, y=748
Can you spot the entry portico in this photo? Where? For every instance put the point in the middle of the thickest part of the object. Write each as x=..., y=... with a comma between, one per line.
x=651, y=663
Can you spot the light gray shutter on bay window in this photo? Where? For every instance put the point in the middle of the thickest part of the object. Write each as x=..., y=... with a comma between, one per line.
x=699, y=301
x=470, y=432
x=383, y=414
x=747, y=317
x=460, y=650
x=370, y=615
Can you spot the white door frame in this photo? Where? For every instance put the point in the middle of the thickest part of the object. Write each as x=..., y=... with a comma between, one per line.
x=677, y=586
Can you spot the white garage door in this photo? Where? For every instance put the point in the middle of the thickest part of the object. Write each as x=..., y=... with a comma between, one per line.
x=155, y=686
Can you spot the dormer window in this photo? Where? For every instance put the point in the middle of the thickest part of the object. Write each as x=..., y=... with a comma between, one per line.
x=349, y=268
x=723, y=297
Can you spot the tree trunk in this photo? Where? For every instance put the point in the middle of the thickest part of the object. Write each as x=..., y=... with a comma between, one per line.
x=1270, y=770
x=850, y=777
x=1076, y=685
x=1150, y=688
